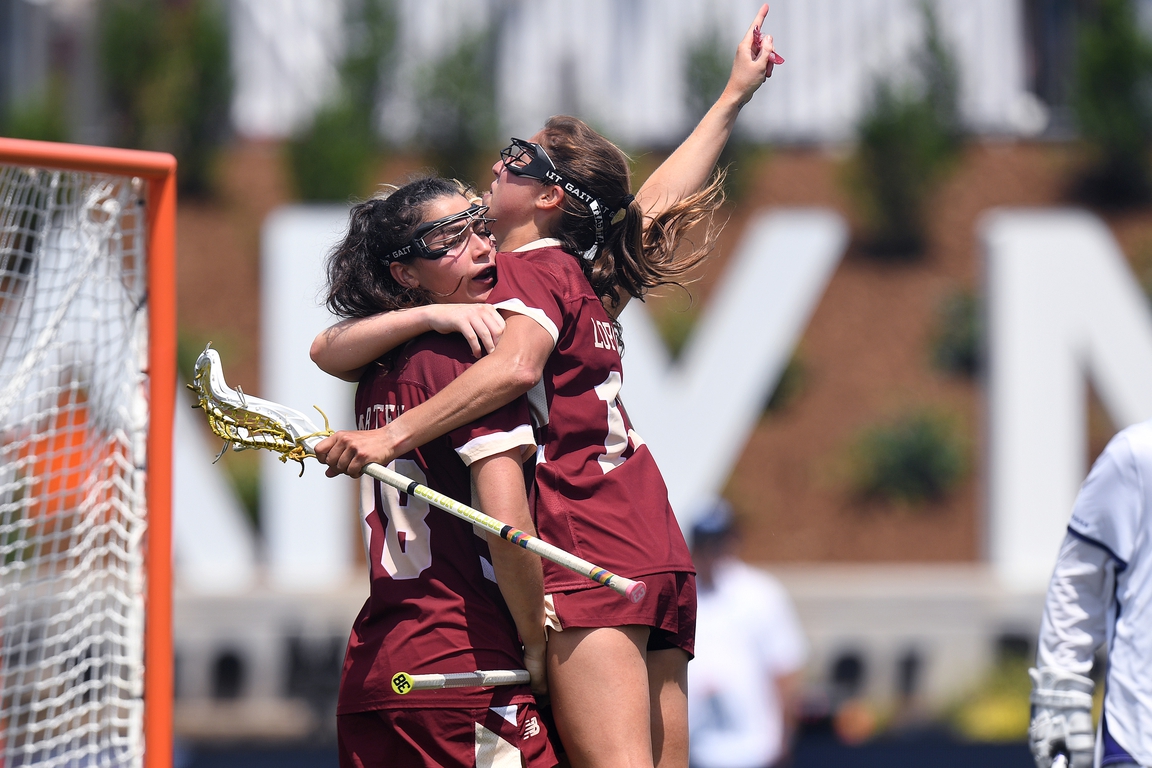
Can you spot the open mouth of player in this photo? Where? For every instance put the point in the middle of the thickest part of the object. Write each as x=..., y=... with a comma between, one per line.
x=486, y=277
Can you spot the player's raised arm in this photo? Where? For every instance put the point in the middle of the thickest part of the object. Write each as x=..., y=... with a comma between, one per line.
x=688, y=168
x=342, y=350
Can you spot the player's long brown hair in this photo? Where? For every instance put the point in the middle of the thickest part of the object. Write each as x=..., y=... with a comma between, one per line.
x=360, y=282
x=634, y=258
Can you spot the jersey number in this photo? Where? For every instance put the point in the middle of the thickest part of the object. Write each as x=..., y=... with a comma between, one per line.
x=617, y=440
x=407, y=539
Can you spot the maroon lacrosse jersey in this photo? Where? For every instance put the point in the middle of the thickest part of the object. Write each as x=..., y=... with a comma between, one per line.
x=598, y=492
x=434, y=606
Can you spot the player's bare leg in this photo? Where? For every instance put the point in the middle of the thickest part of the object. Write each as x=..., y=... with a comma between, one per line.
x=598, y=683
x=668, y=687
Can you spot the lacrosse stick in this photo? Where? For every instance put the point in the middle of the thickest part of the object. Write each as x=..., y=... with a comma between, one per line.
x=246, y=422
x=403, y=683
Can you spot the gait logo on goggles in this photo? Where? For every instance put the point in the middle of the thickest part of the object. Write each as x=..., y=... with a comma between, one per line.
x=569, y=187
x=586, y=198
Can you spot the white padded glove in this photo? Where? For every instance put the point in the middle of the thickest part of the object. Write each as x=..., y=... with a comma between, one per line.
x=1061, y=718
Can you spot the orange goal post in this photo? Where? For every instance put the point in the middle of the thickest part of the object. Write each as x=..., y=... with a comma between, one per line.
x=87, y=390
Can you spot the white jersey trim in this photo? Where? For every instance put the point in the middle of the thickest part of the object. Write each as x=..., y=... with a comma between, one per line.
x=544, y=242
x=520, y=308
x=489, y=445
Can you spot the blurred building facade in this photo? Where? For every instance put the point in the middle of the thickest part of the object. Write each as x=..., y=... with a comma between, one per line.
x=618, y=63
x=51, y=46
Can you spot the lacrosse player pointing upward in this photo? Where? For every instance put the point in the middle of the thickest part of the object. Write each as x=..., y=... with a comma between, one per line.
x=579, y=246
x=1101, y=592
x=347, y=347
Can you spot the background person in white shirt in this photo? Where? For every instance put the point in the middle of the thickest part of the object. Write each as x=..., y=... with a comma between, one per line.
x=743, y=684
x=1100, y=593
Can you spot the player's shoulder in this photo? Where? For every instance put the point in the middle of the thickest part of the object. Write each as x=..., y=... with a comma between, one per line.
x=549, y=266
x=1133, y=443
x=1138, y=434
x=544, y=257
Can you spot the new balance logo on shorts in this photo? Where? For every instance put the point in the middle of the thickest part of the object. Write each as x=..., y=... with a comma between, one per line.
x=531, y=728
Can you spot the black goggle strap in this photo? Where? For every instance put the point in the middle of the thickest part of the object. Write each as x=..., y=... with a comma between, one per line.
x=598, y=219
x=399, y=253
x=601, y=214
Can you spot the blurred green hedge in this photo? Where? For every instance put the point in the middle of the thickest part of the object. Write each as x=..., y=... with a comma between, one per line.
x=906, y=141
x=918, y=457
x=334, y=157
x=1112, y=105
x=168, y=77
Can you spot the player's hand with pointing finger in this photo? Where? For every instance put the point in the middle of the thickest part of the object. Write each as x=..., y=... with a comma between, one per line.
x=755, y=59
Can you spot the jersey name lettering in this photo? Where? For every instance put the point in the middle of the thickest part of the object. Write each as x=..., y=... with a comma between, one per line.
x=379, y=415
x=605, y=335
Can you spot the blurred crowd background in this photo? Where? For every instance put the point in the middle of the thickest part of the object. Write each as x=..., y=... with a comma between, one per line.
x=863, y=484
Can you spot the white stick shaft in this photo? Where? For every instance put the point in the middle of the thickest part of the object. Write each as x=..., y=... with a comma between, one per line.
x=633, y=590
x=480, y=677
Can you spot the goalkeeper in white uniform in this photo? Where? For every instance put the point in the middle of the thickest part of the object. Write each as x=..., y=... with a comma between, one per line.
x=1101, y=592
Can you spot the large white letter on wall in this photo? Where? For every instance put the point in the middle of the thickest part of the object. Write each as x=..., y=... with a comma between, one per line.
x=1062, y=305
x=696, y=415
x=308, y=521
x=213, y=546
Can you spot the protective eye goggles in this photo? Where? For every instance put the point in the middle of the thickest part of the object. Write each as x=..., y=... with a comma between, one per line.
x=439, y=238
x=523, y=158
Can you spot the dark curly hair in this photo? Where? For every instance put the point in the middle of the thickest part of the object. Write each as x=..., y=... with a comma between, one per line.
x=359, y=280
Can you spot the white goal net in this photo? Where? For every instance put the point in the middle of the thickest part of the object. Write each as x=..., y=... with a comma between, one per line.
x=73, y=438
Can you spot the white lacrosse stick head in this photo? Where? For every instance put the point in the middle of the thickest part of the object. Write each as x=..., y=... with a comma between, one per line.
x=245, y=422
